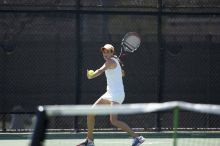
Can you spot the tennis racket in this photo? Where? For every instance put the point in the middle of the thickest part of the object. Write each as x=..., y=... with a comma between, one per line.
x=129, y=44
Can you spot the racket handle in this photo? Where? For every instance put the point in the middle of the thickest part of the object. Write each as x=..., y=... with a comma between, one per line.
x=122, y=64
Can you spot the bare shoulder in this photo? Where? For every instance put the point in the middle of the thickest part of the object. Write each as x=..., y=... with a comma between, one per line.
x=110, y=63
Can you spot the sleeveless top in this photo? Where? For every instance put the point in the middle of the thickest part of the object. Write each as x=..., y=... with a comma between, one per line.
x=114, y=79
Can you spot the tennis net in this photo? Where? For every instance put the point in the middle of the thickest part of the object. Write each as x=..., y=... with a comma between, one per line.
x=177, y=134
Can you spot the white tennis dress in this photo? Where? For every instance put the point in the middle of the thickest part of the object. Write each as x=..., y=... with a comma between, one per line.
x=115, y=88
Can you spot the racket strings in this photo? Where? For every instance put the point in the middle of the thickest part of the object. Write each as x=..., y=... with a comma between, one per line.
x=129, y=47
x=131, y=43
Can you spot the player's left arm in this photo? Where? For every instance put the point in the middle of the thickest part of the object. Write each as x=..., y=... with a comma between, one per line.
x=109, y=64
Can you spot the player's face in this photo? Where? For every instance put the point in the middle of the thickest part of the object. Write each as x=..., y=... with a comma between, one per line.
x=107, y=54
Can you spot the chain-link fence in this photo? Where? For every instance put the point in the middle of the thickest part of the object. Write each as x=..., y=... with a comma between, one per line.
x=47, y=46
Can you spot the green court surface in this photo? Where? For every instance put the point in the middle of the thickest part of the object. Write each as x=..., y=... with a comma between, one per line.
x=107, y=139
x=117, y=142
x=98, y=142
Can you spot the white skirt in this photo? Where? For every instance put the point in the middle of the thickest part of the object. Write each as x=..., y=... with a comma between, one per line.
x=116, y=97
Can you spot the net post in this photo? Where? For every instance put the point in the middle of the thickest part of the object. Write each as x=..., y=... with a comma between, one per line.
x=39, y=128
x=175, y=124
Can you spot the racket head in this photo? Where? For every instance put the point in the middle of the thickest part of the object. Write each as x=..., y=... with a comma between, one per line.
x=131, y=42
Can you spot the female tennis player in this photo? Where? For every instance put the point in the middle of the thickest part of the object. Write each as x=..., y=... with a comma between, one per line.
x=114, y=95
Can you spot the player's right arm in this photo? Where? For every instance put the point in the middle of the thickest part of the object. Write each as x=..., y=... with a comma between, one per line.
x=98, y=72
x=107, y=65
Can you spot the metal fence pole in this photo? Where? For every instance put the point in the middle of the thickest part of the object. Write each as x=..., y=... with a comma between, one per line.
x=160, y=63
x=175, y=124
x=3, y=100
x=78, y=62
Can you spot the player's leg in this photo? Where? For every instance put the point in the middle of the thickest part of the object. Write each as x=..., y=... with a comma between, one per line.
x=90, y=125
x=120, y=124
x=91, y=118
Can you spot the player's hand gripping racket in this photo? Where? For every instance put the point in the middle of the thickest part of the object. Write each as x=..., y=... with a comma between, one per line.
x=130, y=43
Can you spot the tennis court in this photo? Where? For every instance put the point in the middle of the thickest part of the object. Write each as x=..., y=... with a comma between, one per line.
x=160, y=57
x=175, y=137
x=98, y=142
x=107, y=139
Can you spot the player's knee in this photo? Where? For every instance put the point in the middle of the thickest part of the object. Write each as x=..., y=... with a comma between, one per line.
x=90, y=117
x=113, y=121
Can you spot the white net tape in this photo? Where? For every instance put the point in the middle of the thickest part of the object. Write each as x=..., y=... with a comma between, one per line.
x=71, y=110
